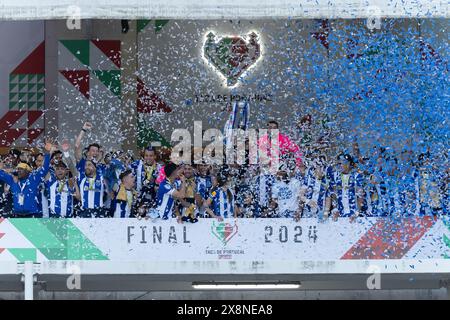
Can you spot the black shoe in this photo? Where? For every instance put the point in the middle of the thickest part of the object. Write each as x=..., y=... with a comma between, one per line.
x=184, y=219
x=193, y=220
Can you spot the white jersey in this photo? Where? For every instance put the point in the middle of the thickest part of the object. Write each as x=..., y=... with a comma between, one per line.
x=287, y=196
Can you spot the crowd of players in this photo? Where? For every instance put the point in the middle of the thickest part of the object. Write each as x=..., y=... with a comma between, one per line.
x=94, y=184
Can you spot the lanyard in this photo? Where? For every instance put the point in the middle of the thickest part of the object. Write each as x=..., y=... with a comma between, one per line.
x=149, y=172
x=61, y=185
x=22, y=187
x=92, y=183
x=190, y=188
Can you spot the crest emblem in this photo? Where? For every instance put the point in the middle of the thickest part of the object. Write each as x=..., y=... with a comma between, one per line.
x=232, y=55
x=224, y=231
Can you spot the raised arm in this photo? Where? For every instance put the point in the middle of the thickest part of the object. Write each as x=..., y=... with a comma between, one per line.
x=40, y=173
x=65, y=147
x=6, y=177
x=87, y=126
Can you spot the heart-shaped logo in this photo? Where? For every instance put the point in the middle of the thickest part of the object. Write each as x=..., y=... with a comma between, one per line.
x=224, y=231
x=232, y=55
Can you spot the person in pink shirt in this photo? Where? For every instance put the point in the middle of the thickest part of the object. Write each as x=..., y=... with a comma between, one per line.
x=287, y=148
x=161, y=175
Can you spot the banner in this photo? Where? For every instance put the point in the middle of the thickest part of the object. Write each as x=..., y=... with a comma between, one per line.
x=260, y=240
x=22, y=82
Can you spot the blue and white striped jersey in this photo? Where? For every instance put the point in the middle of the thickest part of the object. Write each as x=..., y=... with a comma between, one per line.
x=317, y=189
x=101, y=168
x=428, y=187
x=345, y=187
x=144, y=174
x=164, y=199
x=92, y=190
x=262, y=188
x=123, y=203
x=60, y=197
x=203, y=186
x=221, y=204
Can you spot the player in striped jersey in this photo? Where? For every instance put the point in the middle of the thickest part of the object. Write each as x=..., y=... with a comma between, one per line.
x=381, y=190
x=428, y=185
x=246, y=204
x=220, y=203
x=43, y=196
x=391, y=183
x=261, y=187
x=315, y=196
x=168, y=193
x=146, y=171
x=375, y=193
x=61, y=191
x=123, y=201
x=92, y=153
x=188, y=205
x=374, y=183
x=407, y=192
x=114, y=166
x=346, y=190
x=56, y=157
x=92, y=190
x=203, y=184
x=383, y=193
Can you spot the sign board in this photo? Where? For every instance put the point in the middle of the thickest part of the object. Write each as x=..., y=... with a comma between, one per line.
x=230, y=240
